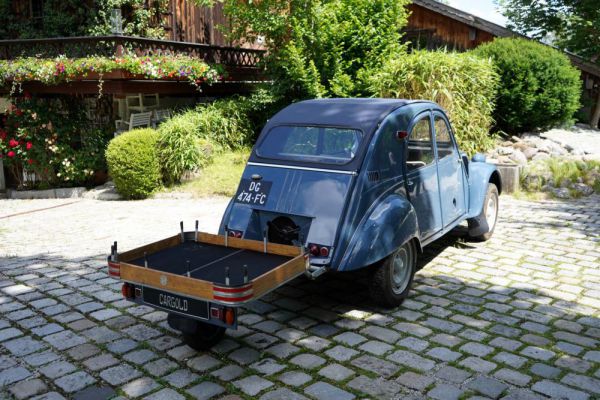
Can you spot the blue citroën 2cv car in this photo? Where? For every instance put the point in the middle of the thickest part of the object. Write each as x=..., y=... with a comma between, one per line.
x=331, y=185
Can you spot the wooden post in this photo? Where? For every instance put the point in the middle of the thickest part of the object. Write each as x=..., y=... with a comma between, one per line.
x=596, y=113
x=2, y=180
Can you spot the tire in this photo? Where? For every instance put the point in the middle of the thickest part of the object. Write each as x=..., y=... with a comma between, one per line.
x=392, y=278
x=489, y=214
x=206, y=336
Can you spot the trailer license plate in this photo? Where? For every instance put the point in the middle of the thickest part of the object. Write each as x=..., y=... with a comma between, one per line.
x=253, y=192
x=172, y=302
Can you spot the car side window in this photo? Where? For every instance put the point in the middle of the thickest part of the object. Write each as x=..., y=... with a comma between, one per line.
x=443, y=141
x=420, y=146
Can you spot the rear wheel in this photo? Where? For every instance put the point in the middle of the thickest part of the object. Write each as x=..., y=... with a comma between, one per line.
x=391, y=280
x=205, y=337
x=489, y=214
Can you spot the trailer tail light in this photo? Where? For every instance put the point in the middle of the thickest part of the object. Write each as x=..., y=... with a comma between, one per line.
x=233, y=295
x=128, y=291
x=318, y=251
x=114, y=269
x=229, y=317
x=215, y=313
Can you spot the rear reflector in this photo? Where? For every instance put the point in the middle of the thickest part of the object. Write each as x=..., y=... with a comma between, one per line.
x=233, y=295
x=114, y=269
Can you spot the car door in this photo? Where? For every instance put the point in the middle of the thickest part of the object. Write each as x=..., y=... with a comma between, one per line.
x=450, y=171
x=422, y=183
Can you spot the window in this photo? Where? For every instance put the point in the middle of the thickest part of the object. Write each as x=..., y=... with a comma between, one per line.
x=445, y=147
x=420, y=149
x=311, y=144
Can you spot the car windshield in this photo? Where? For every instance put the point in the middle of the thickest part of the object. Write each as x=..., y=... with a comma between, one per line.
x=314, y=144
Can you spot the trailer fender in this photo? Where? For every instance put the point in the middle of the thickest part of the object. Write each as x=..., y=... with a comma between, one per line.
x=481, y=174
x=387, y=226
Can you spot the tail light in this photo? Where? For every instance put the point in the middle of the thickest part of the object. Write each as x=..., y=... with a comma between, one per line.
x=229, y=318
x=128, y=291
x=318, y=251
x=225, y=314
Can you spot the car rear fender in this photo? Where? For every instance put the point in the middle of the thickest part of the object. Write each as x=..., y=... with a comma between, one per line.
x=386, y=226
x=480, y=175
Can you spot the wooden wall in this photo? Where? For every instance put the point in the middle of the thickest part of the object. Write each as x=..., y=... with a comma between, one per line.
x=443, y=30
x=197, y=24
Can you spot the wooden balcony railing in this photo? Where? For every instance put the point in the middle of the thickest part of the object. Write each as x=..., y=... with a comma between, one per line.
x=86, y=46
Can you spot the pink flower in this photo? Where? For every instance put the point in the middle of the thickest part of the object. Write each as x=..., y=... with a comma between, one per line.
x=29, y=145
x=10, y=154
x=13, y=143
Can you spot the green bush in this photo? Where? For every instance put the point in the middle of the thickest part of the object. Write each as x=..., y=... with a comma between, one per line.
x=188, y=140
x=538, y=88
x=464, y=85
x=134, y=164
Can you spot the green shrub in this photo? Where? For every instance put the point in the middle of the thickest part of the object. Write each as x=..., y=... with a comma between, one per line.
x=538, y=88
x=464, y=85
x=133, y=163
x=188, y=140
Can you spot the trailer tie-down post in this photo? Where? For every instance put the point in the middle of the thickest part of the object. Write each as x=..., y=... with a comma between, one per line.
x=182, y=234
x=196, y=236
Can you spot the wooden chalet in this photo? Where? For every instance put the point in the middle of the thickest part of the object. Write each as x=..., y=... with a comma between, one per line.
x=433, y=24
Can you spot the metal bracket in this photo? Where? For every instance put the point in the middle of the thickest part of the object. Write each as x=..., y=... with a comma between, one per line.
x=313, y=272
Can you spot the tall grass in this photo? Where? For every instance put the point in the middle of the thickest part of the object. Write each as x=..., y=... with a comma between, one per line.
x=463, y=84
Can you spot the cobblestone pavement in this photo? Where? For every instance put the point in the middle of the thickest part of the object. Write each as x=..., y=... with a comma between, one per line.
x=517, y=317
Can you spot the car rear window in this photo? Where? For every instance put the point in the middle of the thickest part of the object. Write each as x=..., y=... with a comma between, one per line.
x=315, y=144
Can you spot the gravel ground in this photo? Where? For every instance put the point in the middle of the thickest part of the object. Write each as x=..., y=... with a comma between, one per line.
x=517, y=317
x=580, y=138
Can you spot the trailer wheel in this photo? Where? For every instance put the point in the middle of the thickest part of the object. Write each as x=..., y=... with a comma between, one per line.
x=489, y=214
x=205, y=337
x=391, y=280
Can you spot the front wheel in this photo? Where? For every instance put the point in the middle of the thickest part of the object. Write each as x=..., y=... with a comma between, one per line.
x=391, y=280
x=488, y=216
x=205, y=336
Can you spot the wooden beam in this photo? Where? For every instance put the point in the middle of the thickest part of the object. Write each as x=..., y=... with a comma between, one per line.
x=2, y=179
x=254, y=245
x=179, y=284
x=276, y=277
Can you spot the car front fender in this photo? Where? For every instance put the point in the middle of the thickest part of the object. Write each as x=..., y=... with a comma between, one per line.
x=387, y=226
x=480, y=175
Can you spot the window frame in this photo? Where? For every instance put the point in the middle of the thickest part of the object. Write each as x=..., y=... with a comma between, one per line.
x=419, y=117
x=442, y=116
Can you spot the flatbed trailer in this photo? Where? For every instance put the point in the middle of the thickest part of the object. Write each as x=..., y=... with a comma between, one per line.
x=200, y=279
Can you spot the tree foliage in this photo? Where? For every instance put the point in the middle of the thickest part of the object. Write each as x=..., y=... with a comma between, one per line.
x=320, y=48
x=62, y=18
x=539, y=88
x=571, y=24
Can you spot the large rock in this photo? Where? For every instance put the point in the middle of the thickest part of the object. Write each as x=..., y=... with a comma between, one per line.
x=505, y=150
x=561, y=193
x=529, y=152
x=540, y=156
x=518, y=157
x=582, y=188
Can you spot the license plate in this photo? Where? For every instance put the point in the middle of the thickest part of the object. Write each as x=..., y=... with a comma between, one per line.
x=253, y=192
x=172, y=302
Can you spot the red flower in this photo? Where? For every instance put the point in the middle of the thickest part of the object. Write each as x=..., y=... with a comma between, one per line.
x=10, y=154
x=29, y=145
x=18, y=112
x=13, y=143
x=30, y=161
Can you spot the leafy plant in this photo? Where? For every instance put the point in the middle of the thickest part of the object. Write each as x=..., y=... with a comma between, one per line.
x=59, y=18
x=40, y=137
x=539, y=88
x=319, y=48
x=134, y=164
x=61, y=69
x=464, y=85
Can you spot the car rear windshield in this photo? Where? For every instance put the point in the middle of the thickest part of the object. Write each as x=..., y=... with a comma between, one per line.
x=315, y=144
